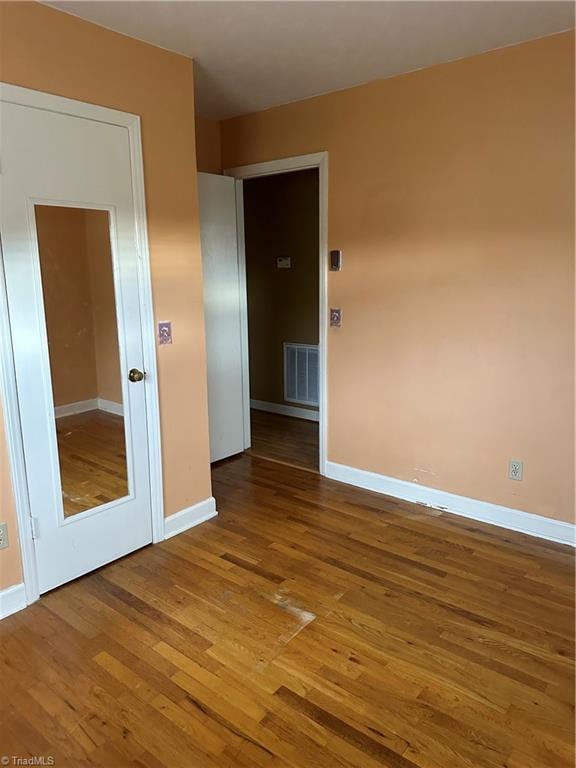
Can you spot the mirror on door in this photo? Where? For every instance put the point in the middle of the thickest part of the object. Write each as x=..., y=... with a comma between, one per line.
x=80, y=311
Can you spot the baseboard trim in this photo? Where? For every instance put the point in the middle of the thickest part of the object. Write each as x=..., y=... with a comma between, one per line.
x=110, y=406
x=12, y=600
x=83, y=406
x=482, y=511
x=188, y=518
x=285, y=410
x=70, y=409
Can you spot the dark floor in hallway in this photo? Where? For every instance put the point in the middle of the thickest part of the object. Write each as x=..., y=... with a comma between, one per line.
x=284, y=439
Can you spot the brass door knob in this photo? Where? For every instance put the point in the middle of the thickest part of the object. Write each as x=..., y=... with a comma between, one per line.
x=135, y=375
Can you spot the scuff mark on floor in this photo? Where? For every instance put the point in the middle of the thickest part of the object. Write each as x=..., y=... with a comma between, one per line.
x=303, y=617
x=287, y=605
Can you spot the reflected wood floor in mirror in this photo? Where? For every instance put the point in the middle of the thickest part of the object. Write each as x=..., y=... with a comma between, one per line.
x=92, y=460
x=284, y=439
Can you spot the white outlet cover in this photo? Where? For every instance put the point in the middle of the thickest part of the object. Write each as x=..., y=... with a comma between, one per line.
x=515, y=469
x=3, y=535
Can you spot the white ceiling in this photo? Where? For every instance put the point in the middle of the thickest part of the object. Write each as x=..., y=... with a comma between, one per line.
x=253, y=55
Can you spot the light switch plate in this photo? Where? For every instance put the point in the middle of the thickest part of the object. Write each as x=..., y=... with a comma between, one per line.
x=165, y=332
x=335, y=261
x=335, y=317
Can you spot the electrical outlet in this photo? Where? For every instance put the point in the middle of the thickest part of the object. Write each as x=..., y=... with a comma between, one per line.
x=515, y=469
x=3, y=535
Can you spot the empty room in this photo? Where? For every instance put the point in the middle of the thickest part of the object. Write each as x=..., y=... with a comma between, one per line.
x=287, y=423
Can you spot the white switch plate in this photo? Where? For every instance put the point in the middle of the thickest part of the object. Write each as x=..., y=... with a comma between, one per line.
x=515, y=469
x=165, y=332
x=335, y=317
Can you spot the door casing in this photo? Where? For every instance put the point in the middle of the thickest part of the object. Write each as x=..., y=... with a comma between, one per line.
x=317, y=160
x=8, y=389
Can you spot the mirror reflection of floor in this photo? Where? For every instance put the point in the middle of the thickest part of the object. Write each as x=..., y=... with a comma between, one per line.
x=92, y=453
x=284, y=439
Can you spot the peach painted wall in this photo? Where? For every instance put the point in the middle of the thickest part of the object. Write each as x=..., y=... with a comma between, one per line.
x=451, y=195
x=79, y=303
x=106, y=353
x=208, y=148
x=67, y=303
x=51, y=51
x=10, y=568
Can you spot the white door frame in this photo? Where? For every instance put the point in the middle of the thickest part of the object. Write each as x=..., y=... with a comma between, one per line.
x=284, y=165
x=14, y=94
x=244, y=349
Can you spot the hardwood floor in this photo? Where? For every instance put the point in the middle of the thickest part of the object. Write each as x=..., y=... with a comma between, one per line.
x=92, y=452
x=284, y=439
x=310, y=624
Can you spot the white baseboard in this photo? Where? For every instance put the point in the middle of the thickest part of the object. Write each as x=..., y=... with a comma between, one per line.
x=285, y=410
x=70, y=409
x=12, y=599
x=483, y=511
x=188, y=518
x=82, y=406
x=110, y=406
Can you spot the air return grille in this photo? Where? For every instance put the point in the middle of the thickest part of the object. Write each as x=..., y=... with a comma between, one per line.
x=301, y=373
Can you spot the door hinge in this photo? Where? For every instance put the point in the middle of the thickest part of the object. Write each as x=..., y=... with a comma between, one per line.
x=34, y=527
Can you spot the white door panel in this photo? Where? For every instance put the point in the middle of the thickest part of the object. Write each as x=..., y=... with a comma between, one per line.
x=222, y=311
x=52, y=159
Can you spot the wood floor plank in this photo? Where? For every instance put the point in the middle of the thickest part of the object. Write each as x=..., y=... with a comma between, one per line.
x=309, y=624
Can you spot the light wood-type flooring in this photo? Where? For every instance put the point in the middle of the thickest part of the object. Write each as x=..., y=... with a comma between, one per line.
x=92, y=453
x=309, y=625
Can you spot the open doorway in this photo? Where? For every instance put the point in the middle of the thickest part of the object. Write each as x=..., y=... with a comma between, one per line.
x=281, y=239
x=276, y=273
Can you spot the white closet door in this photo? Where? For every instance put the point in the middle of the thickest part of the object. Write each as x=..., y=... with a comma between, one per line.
x=224, y=294
x=52, y=162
